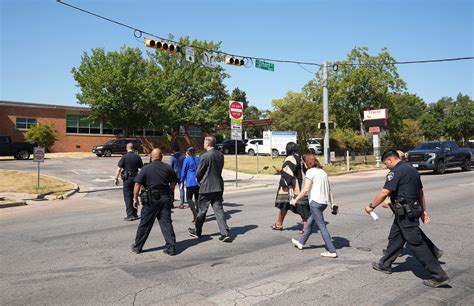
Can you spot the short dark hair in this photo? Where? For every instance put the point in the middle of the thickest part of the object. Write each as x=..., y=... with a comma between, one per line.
x=176, y=147
x=291, y=148
x=390, y=153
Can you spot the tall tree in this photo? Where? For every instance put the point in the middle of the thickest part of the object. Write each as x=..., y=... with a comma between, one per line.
x=112, y=84
x=433, y=122
x=297, y=112
x=240, y=96
x=362, y=82
x=460, y=121
x=191, y=93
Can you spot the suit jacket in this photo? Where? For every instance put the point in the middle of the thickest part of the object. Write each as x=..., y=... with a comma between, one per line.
x=209, y=172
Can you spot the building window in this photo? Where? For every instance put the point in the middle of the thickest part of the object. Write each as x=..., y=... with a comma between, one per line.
x=153, y=132
x=25, y=123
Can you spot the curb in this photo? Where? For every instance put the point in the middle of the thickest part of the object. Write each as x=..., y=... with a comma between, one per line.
x=354, y=171
x=244, y=188
x=69, y=193
x=13, y=204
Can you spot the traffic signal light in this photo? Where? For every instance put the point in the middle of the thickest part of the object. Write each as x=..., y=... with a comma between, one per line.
x=162, y=46
x=234, y=61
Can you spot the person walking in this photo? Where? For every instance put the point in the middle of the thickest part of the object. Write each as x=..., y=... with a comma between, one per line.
x=188, y=177
x=320, y=195
x=127, y=169
x=157, y=179
x=403, y=185
x=176, y=162
x=291, y=182
x=209, y=177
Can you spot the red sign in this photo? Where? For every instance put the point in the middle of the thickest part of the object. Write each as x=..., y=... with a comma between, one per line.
x=236, y=110
x=374, y=129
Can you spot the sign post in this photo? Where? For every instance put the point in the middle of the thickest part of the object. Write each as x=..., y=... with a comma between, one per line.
x=236, y=115
x=38, y=157
x=376, y=119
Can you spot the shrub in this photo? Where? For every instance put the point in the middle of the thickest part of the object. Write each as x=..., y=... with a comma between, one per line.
x=45, y=135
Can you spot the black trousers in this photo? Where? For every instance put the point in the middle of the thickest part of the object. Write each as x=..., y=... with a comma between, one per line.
x=190, y=193
x=407, y=230
x=128, y=197
x=215, y=200
x=433, y=248
x=160, y=210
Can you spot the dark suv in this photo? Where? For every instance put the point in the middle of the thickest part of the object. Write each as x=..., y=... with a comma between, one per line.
x=116, y=146
x=228, y=146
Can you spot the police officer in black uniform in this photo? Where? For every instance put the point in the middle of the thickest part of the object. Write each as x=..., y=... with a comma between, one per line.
x=404, y=186
x=157, y=179
x=127, y=168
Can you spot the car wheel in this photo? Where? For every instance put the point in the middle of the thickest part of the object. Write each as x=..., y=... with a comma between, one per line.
x=275, y=153
x=466, y=166
x=251, y=152
x=23, y=154
x=99, y=155
x=107, y=153
x=441, y=168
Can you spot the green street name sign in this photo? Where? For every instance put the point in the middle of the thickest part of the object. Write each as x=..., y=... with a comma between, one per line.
x=264, y=65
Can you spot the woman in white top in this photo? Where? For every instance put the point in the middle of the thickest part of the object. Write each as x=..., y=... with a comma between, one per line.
x=320, y=195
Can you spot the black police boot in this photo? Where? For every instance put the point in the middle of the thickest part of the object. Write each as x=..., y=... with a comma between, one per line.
x=134, y=249
x=378, y=267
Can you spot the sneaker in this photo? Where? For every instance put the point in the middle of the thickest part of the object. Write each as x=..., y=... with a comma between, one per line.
x=378, y=267
x=134, y=249
x=434, y=283
x=169, y=252
x=297, y=243
x=225, y=238
x=192, y=232
x=329, y=254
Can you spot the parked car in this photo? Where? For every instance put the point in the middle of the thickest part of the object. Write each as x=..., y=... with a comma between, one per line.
x=228, y=147
x=19, y=150
x=116, y=146
x=314, y=145
x=251, y=148
x=439, y=155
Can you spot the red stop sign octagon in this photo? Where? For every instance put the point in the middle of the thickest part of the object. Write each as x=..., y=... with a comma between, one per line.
x=236, y=110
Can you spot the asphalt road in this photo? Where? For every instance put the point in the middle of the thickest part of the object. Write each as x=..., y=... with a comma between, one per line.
x=77, y=251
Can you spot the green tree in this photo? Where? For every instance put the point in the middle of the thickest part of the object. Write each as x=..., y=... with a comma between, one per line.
x=459, y=122
x=297, y=112
x=240, y=96
x=362, y=82
x=112, y=84
x=433, y=122
x=188, y=93
x=45, y=135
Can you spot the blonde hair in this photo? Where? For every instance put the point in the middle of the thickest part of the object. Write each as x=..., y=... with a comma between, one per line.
x=401, y=154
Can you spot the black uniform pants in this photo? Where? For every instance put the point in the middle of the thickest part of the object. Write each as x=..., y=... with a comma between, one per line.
x=433, y=248
x=215, y=200
x=406, y=230
x=160, y=210
x=128, y=185
x=191, y=192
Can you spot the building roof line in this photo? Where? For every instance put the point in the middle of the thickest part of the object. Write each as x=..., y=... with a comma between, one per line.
x=40, y=105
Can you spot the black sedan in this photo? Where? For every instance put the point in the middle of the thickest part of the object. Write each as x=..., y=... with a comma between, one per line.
x=228, y=146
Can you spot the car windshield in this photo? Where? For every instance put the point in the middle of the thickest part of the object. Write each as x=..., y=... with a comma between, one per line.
x=428, y=146
x=110, y=142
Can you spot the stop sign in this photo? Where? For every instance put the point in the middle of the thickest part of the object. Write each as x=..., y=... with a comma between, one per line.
x=236, y=110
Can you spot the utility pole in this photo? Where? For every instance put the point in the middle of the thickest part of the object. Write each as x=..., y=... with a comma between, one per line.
x=326, y=113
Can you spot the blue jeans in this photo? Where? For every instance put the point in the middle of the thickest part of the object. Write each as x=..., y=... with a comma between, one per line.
x=318, y=218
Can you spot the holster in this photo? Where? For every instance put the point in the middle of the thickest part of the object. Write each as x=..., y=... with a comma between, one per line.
x=412, y=209
x=145, y=197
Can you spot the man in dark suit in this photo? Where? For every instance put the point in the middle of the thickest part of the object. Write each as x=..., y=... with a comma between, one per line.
x=209, y=176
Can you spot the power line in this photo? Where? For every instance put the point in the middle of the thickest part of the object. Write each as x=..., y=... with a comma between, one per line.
x=138, y=34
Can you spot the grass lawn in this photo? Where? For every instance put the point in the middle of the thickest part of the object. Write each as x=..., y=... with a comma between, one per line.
x=25, y=182
x=248, y=164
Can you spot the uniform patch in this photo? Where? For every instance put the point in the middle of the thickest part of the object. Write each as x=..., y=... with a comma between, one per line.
x=390, y=176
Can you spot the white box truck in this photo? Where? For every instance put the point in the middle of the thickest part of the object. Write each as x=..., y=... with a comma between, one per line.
x=275, y=142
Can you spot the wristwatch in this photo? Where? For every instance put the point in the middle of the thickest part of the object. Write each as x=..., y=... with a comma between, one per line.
x=370, y=205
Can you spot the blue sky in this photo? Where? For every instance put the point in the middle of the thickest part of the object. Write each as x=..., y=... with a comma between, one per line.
x=42, y=40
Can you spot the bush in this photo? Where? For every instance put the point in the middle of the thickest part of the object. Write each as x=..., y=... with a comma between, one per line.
x=45, y=135
x=349, y=139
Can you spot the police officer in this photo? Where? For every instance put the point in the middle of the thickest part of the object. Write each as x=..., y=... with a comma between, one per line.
x=158, y=179
x=127, y=168
x=405, y=189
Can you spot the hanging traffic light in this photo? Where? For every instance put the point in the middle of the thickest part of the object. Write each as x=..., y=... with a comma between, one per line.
x=234, y=61
x=162, y=46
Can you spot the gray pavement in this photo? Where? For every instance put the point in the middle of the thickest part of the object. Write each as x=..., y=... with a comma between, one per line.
x=76, y=251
